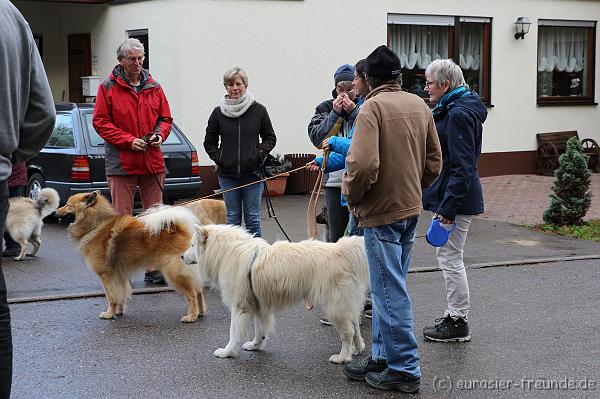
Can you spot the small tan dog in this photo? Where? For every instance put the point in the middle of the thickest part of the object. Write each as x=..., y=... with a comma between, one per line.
x=116, y=246
x=25, y=216
x=208, y=211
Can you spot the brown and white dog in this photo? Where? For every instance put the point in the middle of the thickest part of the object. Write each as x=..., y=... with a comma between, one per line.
x=116, y=246
x=208, y=211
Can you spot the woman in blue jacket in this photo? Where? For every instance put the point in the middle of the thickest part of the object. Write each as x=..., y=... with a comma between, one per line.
x=456, y=196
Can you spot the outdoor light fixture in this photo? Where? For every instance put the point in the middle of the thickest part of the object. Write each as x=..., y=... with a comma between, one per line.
x=522, y=27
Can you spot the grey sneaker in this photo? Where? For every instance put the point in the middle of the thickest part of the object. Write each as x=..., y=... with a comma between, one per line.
x=392, y=380
x=357, y=371
x=448, y=330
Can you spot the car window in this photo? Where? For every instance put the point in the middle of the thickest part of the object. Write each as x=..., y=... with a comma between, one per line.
x=96, y=140
x=62, y=135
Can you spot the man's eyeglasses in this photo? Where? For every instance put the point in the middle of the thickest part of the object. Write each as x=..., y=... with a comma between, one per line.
x=428, y=84
x=136, y=59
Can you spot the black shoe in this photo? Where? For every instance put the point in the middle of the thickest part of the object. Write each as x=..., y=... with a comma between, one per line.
x=11, y=252
x=321, y=218
x=357, y=371
x=392, y=380
x=154, y=277
x=448, y=330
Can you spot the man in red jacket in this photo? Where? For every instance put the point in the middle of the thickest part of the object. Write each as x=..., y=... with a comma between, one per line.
x=132, y=115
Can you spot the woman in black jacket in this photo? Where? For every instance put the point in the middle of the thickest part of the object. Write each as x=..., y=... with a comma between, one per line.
x=238, y=137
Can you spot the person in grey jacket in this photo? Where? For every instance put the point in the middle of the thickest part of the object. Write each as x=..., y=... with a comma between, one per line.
x=27, y=119
x=342, y=110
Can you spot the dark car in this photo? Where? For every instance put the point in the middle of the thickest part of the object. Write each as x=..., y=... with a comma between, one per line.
x=73, y=159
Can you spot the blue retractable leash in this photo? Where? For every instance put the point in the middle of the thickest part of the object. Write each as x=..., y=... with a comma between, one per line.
x=438, y=233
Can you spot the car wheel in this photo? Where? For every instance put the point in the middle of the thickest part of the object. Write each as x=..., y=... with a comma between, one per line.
x=36, y=183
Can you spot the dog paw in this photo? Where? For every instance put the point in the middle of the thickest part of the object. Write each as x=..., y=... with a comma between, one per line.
x=339, y=359
x=17, y=259
x=222, y=352
x=356, y=351
x=251, y=346
x=188, y=319
x=107, y=315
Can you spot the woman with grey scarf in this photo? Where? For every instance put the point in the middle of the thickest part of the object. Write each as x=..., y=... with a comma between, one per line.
x=238, y=137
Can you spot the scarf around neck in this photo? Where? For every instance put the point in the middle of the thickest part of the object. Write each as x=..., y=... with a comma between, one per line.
x=236, y=108
x=449, y=99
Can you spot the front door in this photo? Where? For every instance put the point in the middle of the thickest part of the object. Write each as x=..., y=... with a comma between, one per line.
x=80, y=64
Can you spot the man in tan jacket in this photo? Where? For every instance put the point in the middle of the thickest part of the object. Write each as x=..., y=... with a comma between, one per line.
x=395, y=153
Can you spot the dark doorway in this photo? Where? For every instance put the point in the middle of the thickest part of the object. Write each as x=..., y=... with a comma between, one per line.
x=80, y=63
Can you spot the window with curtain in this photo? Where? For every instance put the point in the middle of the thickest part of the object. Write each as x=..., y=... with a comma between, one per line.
x=420, y=39
x=565, y=62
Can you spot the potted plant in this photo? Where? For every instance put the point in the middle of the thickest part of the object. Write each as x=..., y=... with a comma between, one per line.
x=279, y=167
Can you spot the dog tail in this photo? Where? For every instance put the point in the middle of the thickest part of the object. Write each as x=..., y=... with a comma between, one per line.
x=47, y=201
x=163, y=217
x=354, y=249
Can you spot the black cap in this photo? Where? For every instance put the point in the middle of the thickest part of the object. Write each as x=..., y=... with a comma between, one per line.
x=382, y=63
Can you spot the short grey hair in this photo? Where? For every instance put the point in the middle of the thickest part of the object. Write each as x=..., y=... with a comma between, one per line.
x=233, y=73
x=446, y=70
x=128, y=45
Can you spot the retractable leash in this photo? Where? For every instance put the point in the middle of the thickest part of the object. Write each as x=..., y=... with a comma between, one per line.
x=270, y=209
x=148, y=141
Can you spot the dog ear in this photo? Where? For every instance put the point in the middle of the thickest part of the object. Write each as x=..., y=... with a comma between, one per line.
x=201, y=234
x=91, y=198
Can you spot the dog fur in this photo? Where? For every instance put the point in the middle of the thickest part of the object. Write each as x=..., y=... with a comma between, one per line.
x=116, y=246
x=25, y=216
x=208, y=211
x=256, y=279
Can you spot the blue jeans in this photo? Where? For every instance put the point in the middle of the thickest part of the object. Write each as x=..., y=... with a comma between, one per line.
x=353, y=229
x=248, y=198
x=389, y=249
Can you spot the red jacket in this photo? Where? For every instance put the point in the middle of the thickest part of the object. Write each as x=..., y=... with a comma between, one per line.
x=121, y=115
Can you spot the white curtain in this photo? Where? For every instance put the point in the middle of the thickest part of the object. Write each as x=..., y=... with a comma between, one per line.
x=471, y=40
x=418, y=45
x=561, y=49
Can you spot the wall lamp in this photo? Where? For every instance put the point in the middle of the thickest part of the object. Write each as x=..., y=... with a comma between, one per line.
x=522, y=27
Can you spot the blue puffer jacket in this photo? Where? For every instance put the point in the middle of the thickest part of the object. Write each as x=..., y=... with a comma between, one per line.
x=459, y=118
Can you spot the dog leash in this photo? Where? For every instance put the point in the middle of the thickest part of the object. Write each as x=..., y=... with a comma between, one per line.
x=314, y=198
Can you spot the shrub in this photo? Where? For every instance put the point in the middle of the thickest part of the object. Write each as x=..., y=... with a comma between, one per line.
x=570, y=198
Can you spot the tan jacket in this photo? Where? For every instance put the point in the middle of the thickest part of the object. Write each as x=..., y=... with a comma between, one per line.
x=395, y=152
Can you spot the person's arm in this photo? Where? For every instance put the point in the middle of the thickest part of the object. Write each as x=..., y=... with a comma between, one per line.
x=363, y=157
x=341, y=145
x=461, y=160
x=433, y=155
x=165, y=120
x=40, y=116
x=102, y=121
x=267, y=135
x=321, y=123
x=335, y=162
x=211, y=139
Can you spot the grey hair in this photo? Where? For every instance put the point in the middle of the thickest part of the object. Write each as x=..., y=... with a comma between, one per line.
x=128, y=45
x=233, y=73
x=446, y=70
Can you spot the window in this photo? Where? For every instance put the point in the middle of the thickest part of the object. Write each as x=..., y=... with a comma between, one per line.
x=62, y=135
x=142, y=36
x=565, y=62
x=420, y=39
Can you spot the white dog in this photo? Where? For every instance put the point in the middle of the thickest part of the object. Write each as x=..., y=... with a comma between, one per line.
x=257, y=279
x=25, y=216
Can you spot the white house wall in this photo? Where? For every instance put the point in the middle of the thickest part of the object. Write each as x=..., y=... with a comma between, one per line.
x=290, y=49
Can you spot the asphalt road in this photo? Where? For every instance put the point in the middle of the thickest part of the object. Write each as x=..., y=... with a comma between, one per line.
x=534, y=328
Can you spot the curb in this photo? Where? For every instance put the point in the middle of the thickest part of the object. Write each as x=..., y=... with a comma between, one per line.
x=157, y=290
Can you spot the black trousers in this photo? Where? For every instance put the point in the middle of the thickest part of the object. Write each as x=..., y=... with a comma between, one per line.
x=17, y=191
x=337, y=215
x=6, y=350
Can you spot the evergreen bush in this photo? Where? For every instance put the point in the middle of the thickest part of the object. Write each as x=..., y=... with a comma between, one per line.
x=570, y=198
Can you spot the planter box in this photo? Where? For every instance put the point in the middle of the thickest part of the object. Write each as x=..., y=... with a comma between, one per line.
x=301, y=181
x=276, y=186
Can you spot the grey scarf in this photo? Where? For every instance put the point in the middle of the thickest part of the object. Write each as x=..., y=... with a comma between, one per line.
x=236, y=108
